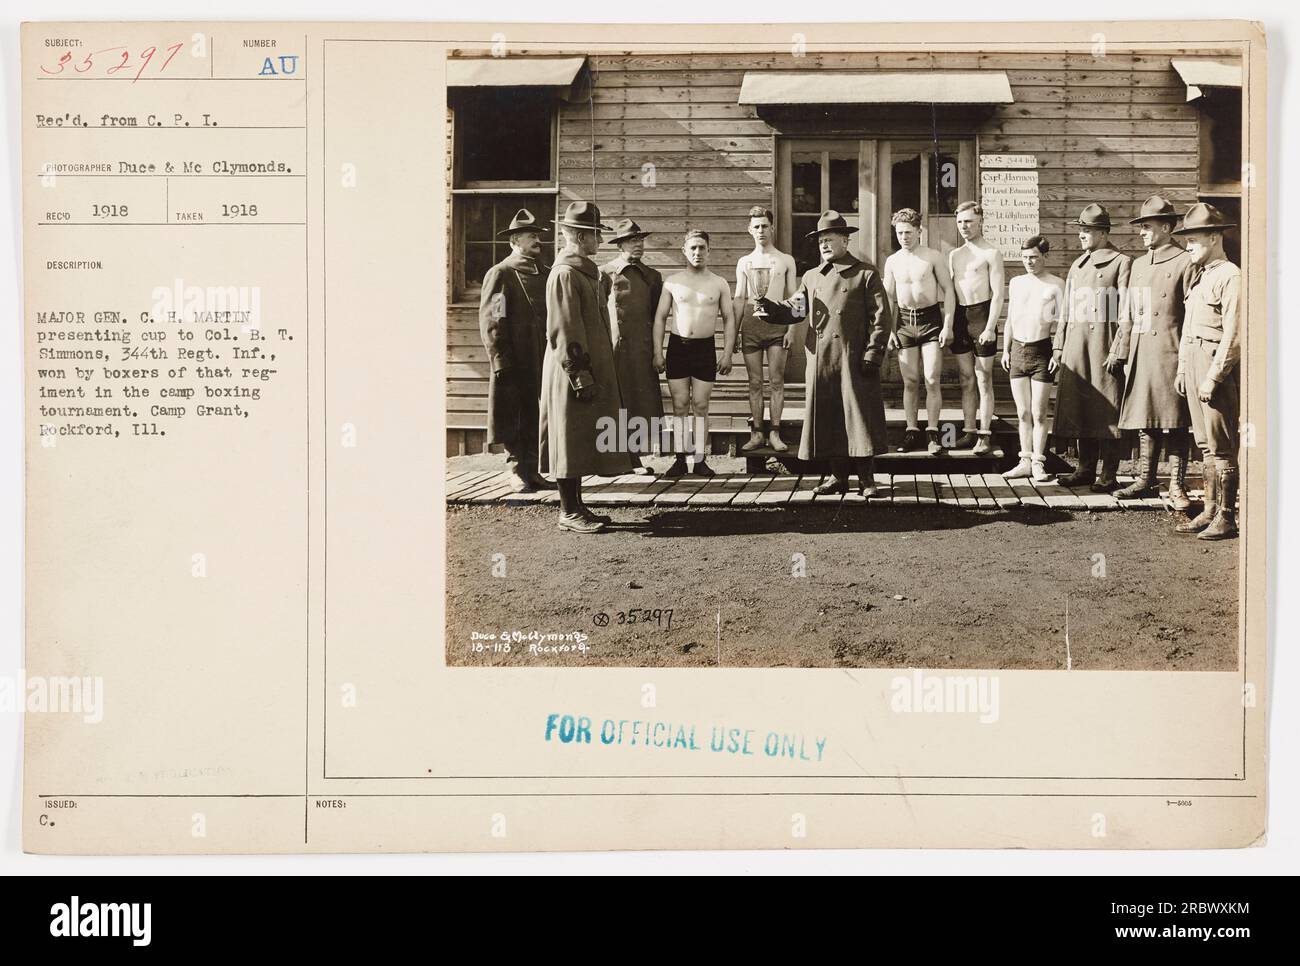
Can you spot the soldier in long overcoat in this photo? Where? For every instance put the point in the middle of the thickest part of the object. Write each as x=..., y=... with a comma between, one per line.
x=1088, y=394
x=634, y=288
x=1146, y=348
x=512, y=324
x=580, y=392
x=845, y=301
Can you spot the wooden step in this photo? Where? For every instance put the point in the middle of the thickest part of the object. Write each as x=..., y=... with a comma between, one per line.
x=962, y=461
x=908, y=462
x=767, y=453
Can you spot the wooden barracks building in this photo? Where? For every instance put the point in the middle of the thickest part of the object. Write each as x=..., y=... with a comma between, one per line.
x=694, y=140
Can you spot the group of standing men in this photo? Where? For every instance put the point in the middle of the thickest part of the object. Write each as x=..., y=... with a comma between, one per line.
x=1150, y=345
x=576, y=349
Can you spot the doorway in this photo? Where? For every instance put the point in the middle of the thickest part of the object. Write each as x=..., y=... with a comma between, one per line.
x=867, y=180
x=932, y=177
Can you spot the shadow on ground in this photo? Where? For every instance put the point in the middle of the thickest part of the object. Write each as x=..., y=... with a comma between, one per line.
x=849, y=518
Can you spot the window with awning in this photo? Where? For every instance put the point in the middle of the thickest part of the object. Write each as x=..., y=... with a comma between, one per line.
x=504, y=150
x=1214, y=86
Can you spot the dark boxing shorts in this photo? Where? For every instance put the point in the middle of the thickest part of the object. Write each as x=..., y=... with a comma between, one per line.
x=690, y=359
x=919, y=326
x=967, y=325
x=1029, y=360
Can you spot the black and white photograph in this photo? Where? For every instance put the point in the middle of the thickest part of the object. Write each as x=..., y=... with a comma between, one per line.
x=809, y=357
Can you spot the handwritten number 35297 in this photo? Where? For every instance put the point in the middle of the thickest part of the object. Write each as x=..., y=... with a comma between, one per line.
x=121, y=55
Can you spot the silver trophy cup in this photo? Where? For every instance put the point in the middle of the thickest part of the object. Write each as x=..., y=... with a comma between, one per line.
x=758, y=279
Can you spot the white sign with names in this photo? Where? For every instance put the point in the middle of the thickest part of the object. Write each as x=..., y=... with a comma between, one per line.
x=1009, y=196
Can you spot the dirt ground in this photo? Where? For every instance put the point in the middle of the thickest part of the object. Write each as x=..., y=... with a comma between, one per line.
x=851, y=586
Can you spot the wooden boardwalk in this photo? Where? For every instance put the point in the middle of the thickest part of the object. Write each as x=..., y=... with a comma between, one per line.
x=987, y=491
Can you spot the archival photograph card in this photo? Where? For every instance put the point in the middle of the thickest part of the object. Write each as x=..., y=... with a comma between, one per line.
x=467, y=437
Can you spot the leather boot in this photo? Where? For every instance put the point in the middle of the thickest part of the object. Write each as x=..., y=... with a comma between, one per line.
x=1211, y=507
x=1110, y=451
x=586, y=511
x=1087, y=471
x=1148, y=457
x=537, y=480
x=577, y=523
x=838, y=481
x=866, y=469
x=1224, y=524
x=832, y=485
x=519, y=481
x=1176, y=448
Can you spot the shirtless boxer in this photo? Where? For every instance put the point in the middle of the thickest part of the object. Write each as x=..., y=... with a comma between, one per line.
x=920, y=293
x=977, y=275
x=697, y=297
x=1036, y=301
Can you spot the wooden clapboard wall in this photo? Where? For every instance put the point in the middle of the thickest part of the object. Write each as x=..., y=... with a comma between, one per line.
x=1112, y=129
